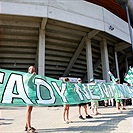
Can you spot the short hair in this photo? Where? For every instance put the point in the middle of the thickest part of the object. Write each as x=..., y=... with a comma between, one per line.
x=31, y=67
x=79, y=79
x=66, y=79
x=117, y=80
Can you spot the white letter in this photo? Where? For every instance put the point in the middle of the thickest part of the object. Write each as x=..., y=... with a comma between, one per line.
x=93, y=97
x=110, y=90
x=45, y=85
x=104, y=89
x=60, y=91
x=1, y=77
x=15, y=81
x=78, y=92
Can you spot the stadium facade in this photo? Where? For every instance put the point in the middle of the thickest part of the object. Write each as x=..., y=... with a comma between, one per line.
x=65, y=38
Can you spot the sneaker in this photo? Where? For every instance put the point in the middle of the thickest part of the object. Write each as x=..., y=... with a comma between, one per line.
x=81, y=117
x=123, y=108
x=88, y=116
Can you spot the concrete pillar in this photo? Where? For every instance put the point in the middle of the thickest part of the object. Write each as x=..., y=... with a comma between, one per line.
x=117, y=67
x=41, y=53
x=105, y=64
x=105, y=60
x=126, y=65
x=89, y=59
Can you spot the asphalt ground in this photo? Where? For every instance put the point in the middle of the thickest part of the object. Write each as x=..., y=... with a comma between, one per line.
x=49, y=120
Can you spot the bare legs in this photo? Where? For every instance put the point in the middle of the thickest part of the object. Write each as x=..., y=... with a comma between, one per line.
x=123, y=103
x=79, y=110
x=85, y=109
x=28, y=119
x=66, y=114
x=118, y=107
x=94, y=108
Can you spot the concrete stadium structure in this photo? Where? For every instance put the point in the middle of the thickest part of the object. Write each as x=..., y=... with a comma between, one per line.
x=65, y=38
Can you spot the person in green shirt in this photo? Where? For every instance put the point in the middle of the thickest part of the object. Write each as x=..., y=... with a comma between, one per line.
x=119, y=101
x=69, y=96
x=29, y=77
x=94, y=103
x=84, y=105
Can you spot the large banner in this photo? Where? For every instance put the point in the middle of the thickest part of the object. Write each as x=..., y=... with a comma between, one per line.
x=20, y=89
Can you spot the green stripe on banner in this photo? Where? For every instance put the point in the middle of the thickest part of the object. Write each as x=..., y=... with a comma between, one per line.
x=20, y=89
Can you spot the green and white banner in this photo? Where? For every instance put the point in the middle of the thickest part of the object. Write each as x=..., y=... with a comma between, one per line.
x=129, y=77
x=20, y=89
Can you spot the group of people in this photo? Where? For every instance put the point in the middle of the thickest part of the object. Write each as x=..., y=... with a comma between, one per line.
x=68, y=94
x=66, y=106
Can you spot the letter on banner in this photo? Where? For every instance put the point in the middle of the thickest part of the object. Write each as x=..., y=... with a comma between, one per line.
x=78, y=92
x=93, y=97
x=85, y=92
x=110, y=90
x=1, y=77
x=121, y=95
x=101, y=90
x=104, y=89
x=60, y=91
x=15, y=80
x=45, y=85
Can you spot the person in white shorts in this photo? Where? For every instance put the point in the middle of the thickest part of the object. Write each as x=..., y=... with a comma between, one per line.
x=94, y=104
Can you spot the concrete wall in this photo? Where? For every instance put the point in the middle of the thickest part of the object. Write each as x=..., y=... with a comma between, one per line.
x=79, y=13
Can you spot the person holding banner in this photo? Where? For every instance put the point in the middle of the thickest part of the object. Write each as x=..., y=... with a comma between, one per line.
x=69, y=95
x=28, y=126
x=94, y=103
x=119, y=101
x=82, y=104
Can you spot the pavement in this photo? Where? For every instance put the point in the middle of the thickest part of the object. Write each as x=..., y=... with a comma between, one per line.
x=49, y=120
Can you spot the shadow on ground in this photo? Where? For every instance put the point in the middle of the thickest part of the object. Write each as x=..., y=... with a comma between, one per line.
x=108, y=121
